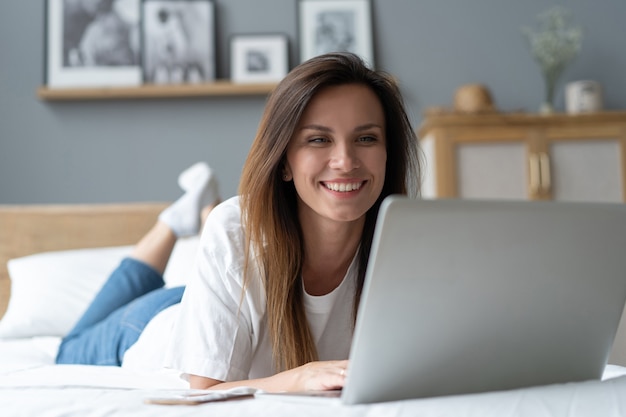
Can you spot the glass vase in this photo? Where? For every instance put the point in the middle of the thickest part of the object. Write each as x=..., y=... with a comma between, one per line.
x=550, y=80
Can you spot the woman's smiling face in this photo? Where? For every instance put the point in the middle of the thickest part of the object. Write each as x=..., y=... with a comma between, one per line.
x=337, y=155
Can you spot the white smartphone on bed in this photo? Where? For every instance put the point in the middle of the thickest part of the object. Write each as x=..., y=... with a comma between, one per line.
x=195, y=397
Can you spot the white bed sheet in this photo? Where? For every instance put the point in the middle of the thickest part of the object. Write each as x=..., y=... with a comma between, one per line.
x=31, y=385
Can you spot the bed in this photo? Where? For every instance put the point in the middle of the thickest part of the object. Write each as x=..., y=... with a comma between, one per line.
x=59, y=255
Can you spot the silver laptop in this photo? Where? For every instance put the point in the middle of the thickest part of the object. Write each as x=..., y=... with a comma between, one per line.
x=467, y=296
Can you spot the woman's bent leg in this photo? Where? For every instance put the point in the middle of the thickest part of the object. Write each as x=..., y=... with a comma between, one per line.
x=133, y=294
x=88, y=341
x=130, y=280
x=106, y=342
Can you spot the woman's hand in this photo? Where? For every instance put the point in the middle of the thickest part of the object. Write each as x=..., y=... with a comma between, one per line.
x=314, y=376
x=317, y=376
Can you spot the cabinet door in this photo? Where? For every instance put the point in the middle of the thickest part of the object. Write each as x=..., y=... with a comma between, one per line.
x=494, y=170
x=585, y=165
x=477, y=163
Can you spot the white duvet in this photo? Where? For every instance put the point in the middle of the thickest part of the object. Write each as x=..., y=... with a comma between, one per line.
x=31, y=385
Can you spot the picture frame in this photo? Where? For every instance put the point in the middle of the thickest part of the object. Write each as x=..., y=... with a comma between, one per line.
x=258, y=58
x=335, y=26
x=178, y=41
x=91, y=44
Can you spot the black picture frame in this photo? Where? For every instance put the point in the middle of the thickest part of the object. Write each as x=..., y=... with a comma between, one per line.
x=335, y=26
x=178, y=41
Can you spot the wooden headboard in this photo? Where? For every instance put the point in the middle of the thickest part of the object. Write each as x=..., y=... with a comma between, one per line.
x=28, y=229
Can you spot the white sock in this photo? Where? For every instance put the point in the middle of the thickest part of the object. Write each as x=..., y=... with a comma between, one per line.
x=192, y=176
x=201, y=189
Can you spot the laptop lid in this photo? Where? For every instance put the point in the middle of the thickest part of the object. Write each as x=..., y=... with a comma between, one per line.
x=466, y=296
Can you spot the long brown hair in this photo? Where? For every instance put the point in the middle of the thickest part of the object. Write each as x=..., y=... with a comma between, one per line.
x=269, y=204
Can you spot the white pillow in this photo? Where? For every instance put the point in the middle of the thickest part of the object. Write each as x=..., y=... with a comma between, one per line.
x=51, y=290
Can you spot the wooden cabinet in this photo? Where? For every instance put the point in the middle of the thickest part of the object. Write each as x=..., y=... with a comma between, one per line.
x=525, y=156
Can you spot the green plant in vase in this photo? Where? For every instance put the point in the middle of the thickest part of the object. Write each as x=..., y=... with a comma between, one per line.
x=553, y=46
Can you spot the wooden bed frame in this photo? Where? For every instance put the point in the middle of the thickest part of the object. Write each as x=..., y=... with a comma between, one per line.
x=29, y=229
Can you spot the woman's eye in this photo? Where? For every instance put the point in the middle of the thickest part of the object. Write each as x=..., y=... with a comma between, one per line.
x=318, y=140
x=367, y=139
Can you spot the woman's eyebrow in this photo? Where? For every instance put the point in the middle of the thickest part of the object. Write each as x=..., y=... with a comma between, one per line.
x=367, y=126
x=327, y=129
x=316, y=127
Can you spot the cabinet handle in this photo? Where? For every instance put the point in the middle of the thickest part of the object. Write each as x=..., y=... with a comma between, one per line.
x=535, y=174
x=544, y=165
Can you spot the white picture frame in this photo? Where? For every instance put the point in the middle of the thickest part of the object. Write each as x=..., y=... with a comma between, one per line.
x=335, y=26
x=83, y=51
x=258, y=58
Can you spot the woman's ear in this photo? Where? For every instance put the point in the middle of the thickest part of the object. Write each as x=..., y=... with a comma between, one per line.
x=287, y=173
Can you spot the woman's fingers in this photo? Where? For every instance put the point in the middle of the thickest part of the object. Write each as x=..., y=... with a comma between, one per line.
x=323, y=375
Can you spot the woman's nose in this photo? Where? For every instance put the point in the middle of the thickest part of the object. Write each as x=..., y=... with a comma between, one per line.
x=344, y=157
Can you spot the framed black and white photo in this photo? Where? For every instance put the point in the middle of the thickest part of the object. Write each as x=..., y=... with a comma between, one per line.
x=92, y=43
x=335, y=26
x=258, y=58
x=178, y=41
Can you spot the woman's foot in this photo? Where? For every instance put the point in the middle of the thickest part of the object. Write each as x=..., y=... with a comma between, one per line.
x=185, y=215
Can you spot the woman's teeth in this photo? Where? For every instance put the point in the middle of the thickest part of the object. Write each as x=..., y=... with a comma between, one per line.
x=343, y=187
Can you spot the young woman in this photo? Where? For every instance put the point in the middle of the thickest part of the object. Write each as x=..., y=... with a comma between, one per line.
x=278, y=279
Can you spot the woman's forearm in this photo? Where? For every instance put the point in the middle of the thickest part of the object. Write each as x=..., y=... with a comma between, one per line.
x=311, y=376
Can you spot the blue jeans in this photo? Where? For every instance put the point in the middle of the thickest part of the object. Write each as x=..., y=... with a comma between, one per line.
x=131, y=297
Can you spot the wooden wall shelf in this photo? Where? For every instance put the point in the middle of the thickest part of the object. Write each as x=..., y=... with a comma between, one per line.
x=217, y=88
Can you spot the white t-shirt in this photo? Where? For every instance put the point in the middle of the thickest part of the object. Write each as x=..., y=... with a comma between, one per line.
x=221, y=335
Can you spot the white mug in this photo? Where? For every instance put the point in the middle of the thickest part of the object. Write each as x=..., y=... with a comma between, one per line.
x=583, y=97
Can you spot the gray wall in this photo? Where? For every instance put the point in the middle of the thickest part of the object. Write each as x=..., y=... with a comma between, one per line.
x=132, y=150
